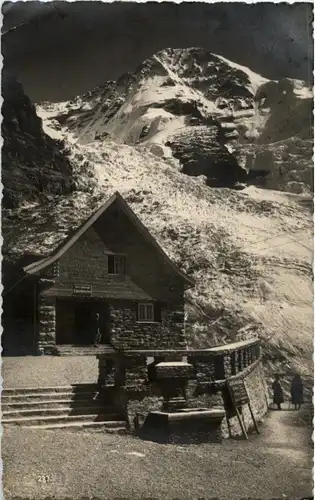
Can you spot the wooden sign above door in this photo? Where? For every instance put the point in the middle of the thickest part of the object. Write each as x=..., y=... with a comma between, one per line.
x=82, y=290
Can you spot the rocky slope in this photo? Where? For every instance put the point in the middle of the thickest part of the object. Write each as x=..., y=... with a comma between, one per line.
x=212, y=115
x=249, y=251
x=33, y=164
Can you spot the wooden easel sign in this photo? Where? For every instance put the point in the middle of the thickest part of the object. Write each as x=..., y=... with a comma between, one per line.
x=240, y=397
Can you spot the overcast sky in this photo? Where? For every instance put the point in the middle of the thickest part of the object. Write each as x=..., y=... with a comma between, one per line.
x=60, y=49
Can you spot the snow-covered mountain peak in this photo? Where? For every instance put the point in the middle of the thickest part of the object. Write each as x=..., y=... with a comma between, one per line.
x=195, y=108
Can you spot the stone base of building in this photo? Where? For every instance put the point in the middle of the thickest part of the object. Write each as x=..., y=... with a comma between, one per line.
x=187, y=426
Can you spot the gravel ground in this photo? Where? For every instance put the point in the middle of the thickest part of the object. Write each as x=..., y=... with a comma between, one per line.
x=35, y=371
x=276, y=464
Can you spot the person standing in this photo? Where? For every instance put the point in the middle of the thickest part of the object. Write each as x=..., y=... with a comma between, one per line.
x=97, y=337
x=297, y=391
x=278, y=397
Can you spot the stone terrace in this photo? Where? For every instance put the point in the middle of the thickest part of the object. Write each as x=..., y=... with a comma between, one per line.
x=52, y=371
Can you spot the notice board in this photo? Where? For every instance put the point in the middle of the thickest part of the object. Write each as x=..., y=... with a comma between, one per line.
x=239, y=396
x=238, y=392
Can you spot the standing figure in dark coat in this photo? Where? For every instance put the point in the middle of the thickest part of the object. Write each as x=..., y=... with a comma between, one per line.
x=97, y=337
x=297, y=392
x=277, y=392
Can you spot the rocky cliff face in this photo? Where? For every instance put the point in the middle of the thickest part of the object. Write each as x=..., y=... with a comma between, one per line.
x=34, y=165
x=214, y=117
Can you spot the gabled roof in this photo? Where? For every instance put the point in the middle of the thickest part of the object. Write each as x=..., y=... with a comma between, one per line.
x=62, y=249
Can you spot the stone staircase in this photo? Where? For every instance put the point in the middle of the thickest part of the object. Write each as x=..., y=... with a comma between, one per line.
x=71, y=407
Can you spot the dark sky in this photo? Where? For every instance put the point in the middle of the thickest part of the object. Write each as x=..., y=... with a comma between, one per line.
x=61, y=49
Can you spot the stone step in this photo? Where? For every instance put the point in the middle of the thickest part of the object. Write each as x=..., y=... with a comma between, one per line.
x=82, y=352
x=65, y=411
x=45, y=390
x=52, y=420
x=38, y=397
x=53, y=403
x=68, y=350
x=111, y=426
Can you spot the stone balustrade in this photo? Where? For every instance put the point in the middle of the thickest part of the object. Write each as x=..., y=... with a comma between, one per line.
x=235, y=358
x=211, y=365
x=147, y=380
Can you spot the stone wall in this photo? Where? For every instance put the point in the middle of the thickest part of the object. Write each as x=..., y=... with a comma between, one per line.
x=128, y=333
x=18, y=316
x=136, y=373
x=46, y=324
x=125, y=331
x=203, y=397
x=139, y=405
x=207, y=368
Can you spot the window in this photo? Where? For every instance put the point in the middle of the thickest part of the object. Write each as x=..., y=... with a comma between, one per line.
x=116, y=264
x=56, y=270
x=145, y=312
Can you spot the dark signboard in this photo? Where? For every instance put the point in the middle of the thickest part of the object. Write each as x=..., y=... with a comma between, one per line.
x=238, y=392
x=240, y=397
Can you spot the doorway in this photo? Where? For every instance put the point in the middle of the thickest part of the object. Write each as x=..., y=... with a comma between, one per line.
x=76, y=322
x=84, y=323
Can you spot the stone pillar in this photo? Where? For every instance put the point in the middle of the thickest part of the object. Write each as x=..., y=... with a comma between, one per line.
x=46, y=324
x=239, y=361
x=106, y=372
x=251, y=354
x=244, y=354
x=120, y=372
x=101, y=370
x=204, y=367
x=233, y=363
x=227, y=365
x=178, y=321
x=136, y=372
x=236, y=362
x=258, y=350
x=254, y=348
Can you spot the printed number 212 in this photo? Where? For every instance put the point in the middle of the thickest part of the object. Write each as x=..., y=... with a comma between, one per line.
x=43, y=479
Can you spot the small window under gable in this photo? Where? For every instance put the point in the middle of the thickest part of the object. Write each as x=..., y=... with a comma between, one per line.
x=116, y=264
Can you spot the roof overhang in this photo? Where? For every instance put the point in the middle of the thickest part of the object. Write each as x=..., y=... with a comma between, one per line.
x=40, y=265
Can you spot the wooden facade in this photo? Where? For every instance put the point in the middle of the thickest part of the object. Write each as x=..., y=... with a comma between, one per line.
x=113, y=269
